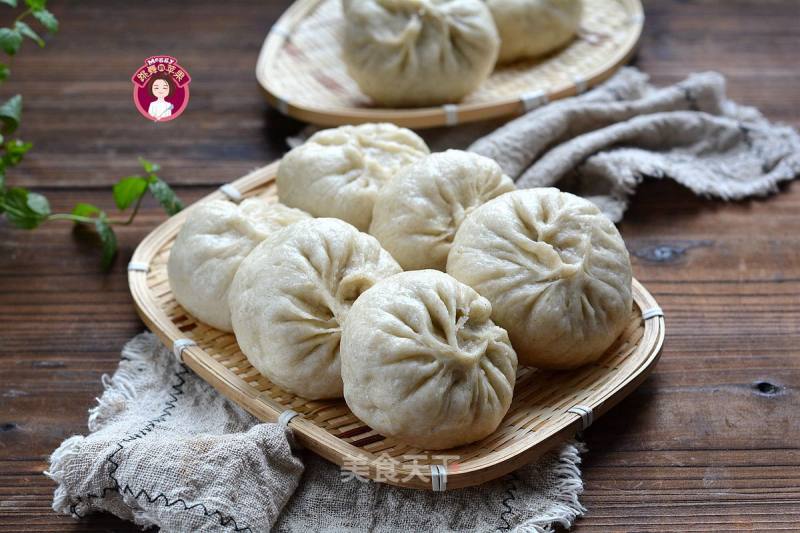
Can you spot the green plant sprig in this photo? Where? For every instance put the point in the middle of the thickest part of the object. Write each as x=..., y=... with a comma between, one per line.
x=26, y=209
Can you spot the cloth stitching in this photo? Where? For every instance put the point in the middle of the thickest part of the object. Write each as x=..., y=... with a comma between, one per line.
x=546, y=494
x=149, y=427
x=511, y=497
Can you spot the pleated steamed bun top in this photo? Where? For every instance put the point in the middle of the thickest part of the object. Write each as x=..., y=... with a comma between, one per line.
x=555, y=269
x=407, y=53
x=211, y=244
x=338, y=172
x=423, y=362
x=293, y=292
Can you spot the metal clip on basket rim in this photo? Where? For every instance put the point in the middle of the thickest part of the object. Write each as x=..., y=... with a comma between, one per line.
x=450, y=114
x=653, y=312
x=533, y=99
x=581, y=85
x=179, y=346
x=137, y=266
x=280, y=31
x=586, y=414
x=438, y=478
x=281, y=105
x=285, y=417
x=231, y=192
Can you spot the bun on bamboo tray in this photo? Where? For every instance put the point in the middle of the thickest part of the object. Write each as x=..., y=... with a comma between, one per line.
x=515, y=323
x=426, y=63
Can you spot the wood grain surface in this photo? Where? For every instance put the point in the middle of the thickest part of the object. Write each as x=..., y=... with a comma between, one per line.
x=709, y=442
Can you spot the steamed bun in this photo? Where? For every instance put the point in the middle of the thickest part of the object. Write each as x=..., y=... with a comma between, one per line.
x=418, y=52
x=417, y=214
x=531, y=28
x=555, y=269
x=338, y=172
x=423, y=362
x=212, y=243
x=293, y=292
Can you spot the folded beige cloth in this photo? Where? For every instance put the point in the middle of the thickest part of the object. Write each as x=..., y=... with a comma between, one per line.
x=165, y=449
x=601, y=145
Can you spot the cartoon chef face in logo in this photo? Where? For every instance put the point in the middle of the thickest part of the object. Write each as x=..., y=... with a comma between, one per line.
x=161, y=88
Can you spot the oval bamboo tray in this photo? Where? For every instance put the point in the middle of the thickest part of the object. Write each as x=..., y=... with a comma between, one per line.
x=302, y=73
x=539, y=417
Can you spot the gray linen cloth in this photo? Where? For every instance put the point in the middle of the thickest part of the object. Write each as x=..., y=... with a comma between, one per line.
x=601, y=145
x=165, y=449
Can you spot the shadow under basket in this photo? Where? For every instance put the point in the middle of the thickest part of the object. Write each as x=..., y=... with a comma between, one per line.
x=548, y=407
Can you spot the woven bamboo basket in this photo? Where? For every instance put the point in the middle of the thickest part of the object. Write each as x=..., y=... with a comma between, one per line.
x=548, y=407
x=302, y=73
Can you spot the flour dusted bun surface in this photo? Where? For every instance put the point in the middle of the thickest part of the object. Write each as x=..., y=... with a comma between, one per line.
x=555, y=269
x=293, y=292
x=423, y=362
x=417, y=214
x=531, y=28
x=418, y=52
x=337, y=172
x=210, y=246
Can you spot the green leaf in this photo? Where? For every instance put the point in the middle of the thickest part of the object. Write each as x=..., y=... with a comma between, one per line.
x=12, y=3
x=10, y=40
x=15, y=151
x=165, y=196
x=47, y=19
x=85, y=210
x=149, y=167
x=5, y=72
x=28, y=32
x=10, y=114
x=108, y=240
x=36, y=4
x=23, y=209
x=2, y=182
x=128, y=190
x=38, y=204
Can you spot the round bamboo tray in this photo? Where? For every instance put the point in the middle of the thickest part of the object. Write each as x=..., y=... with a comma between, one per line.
x=302, y=73
x=543, y=412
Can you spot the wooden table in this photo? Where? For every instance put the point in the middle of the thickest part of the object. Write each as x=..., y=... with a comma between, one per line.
x=710, y=441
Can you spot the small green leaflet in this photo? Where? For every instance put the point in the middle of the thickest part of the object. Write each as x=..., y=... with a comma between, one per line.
x=4, y=71
x=36, y=4
x=129, y=190
x=47, y=19
x=12, y=3
x=108, y=239
x=10, y=114
x=149, y=167
x=28, y=32
x=15, y=150
x=10, y=40
x=85, y=210
x=38, y=204
x=165, y=196
x=25, y=209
